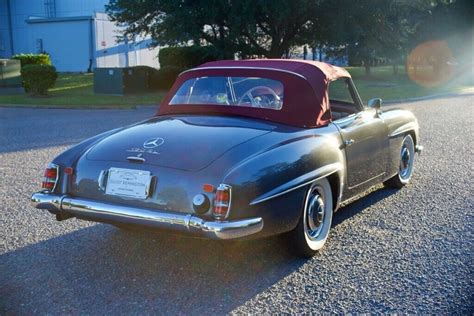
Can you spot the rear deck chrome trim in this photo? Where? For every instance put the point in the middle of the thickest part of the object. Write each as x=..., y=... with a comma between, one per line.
x=98, y=211
x=136, y=159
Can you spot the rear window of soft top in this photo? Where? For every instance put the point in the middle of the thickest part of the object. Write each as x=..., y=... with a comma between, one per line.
x=253, y=92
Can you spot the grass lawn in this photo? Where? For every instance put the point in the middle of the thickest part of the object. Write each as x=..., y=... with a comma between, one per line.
x=76, y=90
x=382, y=83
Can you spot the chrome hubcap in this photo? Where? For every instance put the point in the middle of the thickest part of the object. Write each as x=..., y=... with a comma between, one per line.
x=315, y=215
x=405, y=161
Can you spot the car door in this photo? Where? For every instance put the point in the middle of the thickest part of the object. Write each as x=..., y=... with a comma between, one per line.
x=364, y=140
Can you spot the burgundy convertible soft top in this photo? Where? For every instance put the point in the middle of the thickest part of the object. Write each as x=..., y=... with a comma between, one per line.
x=306, y=102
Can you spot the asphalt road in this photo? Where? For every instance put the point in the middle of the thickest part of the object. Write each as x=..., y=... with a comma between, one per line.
x=407, y=251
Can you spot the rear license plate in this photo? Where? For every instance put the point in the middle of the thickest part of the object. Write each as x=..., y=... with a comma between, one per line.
x=128, y=182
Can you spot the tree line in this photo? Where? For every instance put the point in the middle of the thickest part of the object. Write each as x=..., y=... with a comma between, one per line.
x=367, y=31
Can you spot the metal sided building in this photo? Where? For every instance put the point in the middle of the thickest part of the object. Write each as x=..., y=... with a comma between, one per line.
x=77, y=34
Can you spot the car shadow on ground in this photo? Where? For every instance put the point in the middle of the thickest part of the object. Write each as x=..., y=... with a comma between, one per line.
x=362, y=202
x=102, y=269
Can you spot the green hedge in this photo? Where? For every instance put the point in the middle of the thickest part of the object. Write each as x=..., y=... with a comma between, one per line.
x=33, y=59
x=188, y=56
x=163, y=78
x=37, y=79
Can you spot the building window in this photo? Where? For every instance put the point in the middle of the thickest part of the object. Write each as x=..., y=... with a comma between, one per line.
x=39, y=45
x=50, y=8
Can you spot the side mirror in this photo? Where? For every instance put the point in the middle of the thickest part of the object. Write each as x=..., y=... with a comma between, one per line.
x=375, y=103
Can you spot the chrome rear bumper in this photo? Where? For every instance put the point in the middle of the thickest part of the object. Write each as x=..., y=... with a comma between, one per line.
x=188, y=223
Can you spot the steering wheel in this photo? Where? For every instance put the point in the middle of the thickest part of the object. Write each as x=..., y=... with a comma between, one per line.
x=248, y=94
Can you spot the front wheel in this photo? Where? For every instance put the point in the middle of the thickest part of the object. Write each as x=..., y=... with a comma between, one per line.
x=315, y=222
x=405, y=170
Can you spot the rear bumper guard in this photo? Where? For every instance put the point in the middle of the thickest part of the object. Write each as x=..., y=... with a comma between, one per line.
x=188, y=223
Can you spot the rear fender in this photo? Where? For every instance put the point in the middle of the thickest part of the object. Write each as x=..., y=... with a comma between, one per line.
x=272, y=184
x=399, y=123
x=69, y=158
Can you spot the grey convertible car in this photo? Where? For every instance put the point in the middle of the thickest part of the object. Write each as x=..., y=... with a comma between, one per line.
x=238, y=149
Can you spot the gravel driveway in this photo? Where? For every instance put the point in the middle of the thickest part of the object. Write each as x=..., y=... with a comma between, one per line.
x=407, y=251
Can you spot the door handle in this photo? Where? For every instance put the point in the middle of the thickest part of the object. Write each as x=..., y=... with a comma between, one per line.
x=348, y=142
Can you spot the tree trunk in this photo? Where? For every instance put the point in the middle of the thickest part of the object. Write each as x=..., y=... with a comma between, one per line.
x=395, y=69
x=276, y=52
x=367, y=68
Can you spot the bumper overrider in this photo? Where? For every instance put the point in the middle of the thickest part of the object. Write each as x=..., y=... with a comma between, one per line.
x=105, y=212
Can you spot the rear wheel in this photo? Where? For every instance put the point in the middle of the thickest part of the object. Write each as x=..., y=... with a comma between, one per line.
x=405, y=170
x=315, y=222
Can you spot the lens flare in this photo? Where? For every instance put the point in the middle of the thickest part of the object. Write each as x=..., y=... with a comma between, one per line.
x=431, y=64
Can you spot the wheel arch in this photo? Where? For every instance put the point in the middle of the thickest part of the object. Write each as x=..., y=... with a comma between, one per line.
x=335, y=181
x=413, y=135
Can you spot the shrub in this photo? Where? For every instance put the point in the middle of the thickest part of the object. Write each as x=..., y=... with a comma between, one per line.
x=33, y=59
x=143, y=68
x=187, y=56
x=164, y=77
x=37, y=79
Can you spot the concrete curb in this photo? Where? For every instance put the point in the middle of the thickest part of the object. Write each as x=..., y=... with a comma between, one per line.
x=155, y=106
x=429, y=97
x=66, y=107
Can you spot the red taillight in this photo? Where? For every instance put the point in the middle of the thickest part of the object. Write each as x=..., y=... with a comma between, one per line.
x=50, y=177
x=222, y=202
x=50, y=173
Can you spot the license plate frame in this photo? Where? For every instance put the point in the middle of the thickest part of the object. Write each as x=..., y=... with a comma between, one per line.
x=130, y=183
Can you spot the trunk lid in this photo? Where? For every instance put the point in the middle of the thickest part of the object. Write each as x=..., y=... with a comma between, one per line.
x=187, y=143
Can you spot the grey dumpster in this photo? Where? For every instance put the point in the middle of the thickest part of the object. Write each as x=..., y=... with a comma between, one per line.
x=122, y=81
x=10, y=75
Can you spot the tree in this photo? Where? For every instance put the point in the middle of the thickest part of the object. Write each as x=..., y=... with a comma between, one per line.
x=268, y=28
x=369, y=31
x=275, y=27
x=450, y=21
x=373, y=31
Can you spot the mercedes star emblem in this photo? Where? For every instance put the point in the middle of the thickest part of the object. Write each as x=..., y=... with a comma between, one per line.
x=153, y=143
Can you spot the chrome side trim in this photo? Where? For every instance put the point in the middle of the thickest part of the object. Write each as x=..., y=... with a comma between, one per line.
x=373, y=178
x=245, y=67
x=190, y=223
x=299, y=182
